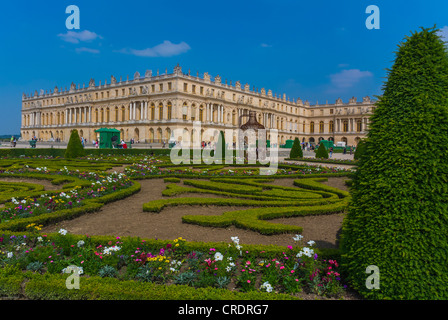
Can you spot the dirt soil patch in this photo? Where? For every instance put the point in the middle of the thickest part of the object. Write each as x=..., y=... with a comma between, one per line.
x=126, y=218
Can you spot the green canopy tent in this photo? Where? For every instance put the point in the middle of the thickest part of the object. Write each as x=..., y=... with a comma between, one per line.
x=109, y=138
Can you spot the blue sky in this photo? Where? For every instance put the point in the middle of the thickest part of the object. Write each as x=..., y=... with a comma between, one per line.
x=315, y=50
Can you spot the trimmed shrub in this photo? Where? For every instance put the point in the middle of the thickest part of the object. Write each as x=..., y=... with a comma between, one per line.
x=74, y=147
x=296, y=150
x=322, y=152
x=360, y=149
x=398, y=218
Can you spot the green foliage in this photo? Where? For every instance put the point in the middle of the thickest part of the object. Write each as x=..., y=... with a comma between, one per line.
x=296, y=150
x=322, y=152
x=74, y=147
x=360, y=149
x=173, y=179
x=108, y=271
x=398, y=218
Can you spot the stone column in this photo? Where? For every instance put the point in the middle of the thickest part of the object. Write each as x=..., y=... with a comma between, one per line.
x=146, y=110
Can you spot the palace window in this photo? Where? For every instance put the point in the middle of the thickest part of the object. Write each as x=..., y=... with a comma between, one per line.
x=153, y=112
x=201, y=90
x=185, y=87
x=201, y=114
x=153, y=88
x=161, y=87
x=359, y=126
x=311, y=127
x=170, y=86
x=160, y=112
x=345, y=126
x=331, y=111
x=170, y=108
x=321, y=127
x=193, y=88
x=331, y=127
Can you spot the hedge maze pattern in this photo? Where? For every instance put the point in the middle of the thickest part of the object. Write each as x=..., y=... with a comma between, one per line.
x=308, y=197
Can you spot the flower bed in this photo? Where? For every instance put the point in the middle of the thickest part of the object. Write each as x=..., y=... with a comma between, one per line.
x=296, y=269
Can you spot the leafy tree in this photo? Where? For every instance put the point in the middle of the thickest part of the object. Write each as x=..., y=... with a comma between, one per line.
x=74, y=147
x=322, y=152
x=360, y=149
x=296, y=150
x=221, y=148
x=398, y=216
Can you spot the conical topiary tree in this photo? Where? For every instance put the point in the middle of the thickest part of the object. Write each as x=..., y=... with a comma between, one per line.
x=322, y=152
x=360, y=149
x=221, y=148
x=74, y=146
x=296, y=150
x=398, y=217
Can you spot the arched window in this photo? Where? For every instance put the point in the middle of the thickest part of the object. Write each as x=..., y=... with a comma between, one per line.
x=331, y=127
x=359, y=126
x=160, y=111
x=345, y=126
x=201, y=113
x=321, y=127
x=311, y=127
x=170, y=109
x=153, y=112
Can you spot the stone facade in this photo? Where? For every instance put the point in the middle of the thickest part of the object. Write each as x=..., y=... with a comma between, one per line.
x=148, y=108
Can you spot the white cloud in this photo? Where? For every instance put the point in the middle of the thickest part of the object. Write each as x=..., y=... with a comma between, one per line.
x=265, y=45
x=443, y=32
x=84, y=49
x=348, y=78
x=76, y=37
x=165, y=49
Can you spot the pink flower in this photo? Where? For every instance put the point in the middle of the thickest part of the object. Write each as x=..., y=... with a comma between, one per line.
x=292, y=271
x=282, y=267
x=289, y=247
x=82, y=261
x=248, y=281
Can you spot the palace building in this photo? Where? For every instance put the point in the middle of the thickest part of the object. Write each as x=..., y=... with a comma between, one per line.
x=148, y=109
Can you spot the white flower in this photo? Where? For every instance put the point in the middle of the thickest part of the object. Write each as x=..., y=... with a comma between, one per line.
x=235, y=240
x=297, y=237
x=108, y=250
x=266, y=286
x=228, y=268
x=80, y=243
x=39, y=239
x=311, y=242
x=9, y=255
x=62, y=231
x=218, y=256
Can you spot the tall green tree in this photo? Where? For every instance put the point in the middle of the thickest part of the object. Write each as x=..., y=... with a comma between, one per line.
x=322, y=152
x=398, y=216
x=74, y=146
x=296, y=150
x=360, y=149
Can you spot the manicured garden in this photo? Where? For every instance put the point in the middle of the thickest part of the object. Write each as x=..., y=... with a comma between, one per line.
x=31, y=256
